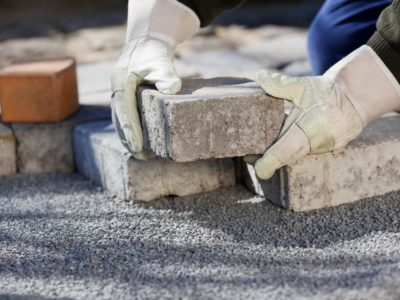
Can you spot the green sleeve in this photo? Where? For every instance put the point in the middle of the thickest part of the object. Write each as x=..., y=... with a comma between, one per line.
x=386, y=40
x=207, y=10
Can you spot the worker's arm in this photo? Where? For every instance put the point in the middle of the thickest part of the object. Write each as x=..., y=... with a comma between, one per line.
x=155, y=27
x=207, y=10
x=331, y=110
x=386, y=40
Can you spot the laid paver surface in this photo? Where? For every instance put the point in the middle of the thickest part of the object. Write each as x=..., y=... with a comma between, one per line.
x=63, y=238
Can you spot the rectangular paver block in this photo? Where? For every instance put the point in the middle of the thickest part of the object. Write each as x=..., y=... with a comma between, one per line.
x=368, y=167
x=101, y=157
x=210, y=118
x=39, y=91
x=8, y=160
x=47, y=147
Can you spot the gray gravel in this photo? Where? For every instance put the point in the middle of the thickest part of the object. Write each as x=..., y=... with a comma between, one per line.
x=63, y=238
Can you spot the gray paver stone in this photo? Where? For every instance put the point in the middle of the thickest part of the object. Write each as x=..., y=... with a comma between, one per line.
x=101, y=157
x=47, y=147
x=8, y=160
x=210, y=118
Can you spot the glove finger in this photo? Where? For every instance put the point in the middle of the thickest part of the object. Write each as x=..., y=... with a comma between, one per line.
x=156, y=66
x=143, y=155
x=165, y=79
x=289, y=121
x=252, y=158
x=281, y=86
x=125, y=107
x=289, y=148
x=117, y=124
x=134, y=128
x=123, y=124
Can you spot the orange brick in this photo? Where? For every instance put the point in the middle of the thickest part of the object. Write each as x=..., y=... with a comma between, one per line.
x=39, y=91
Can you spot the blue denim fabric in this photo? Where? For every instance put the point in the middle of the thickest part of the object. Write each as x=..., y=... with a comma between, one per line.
x=340, y=27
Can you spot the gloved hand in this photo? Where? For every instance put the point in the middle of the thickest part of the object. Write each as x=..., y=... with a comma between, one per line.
x=155, y=27
x=330, y=110
x=145, y=59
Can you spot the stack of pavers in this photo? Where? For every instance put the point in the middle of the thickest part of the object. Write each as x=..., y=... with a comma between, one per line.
x=199, y=137
x=202, y=133
x=195, y=135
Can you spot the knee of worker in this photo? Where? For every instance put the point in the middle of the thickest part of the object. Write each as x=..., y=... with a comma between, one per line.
x=326, y=43
x=340, y=27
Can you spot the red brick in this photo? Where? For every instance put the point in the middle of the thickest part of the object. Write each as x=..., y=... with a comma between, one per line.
x=39, y=91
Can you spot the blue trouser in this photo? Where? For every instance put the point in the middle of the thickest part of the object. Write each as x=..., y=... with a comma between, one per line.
x=340, y=27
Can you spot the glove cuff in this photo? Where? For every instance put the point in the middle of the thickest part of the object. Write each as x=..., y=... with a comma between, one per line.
x=166, y=20
x=367, y=82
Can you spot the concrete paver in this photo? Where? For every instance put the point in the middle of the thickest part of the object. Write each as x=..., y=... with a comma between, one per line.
x=369, y=166
x=47, y=147
x=8, y=159
x=210, y=118
x=101, y=157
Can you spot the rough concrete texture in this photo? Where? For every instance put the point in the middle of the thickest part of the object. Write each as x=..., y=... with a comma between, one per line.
x=368, y=167
x=210, y=118
x=8, y=159
x=101, y=157
x=63, y=238
x=47, y=147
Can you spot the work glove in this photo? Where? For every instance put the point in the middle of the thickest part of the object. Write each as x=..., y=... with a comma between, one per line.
x=155, y=27
x=330, y=110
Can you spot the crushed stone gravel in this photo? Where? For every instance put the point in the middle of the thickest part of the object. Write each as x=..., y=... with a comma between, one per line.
x=63, y=238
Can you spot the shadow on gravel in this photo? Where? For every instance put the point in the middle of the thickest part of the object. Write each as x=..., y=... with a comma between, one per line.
x=249, y=218
x=27, y=297
x=28, y=186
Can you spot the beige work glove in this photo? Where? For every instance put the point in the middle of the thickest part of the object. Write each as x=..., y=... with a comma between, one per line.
x=155, y=27
x=330, y=110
